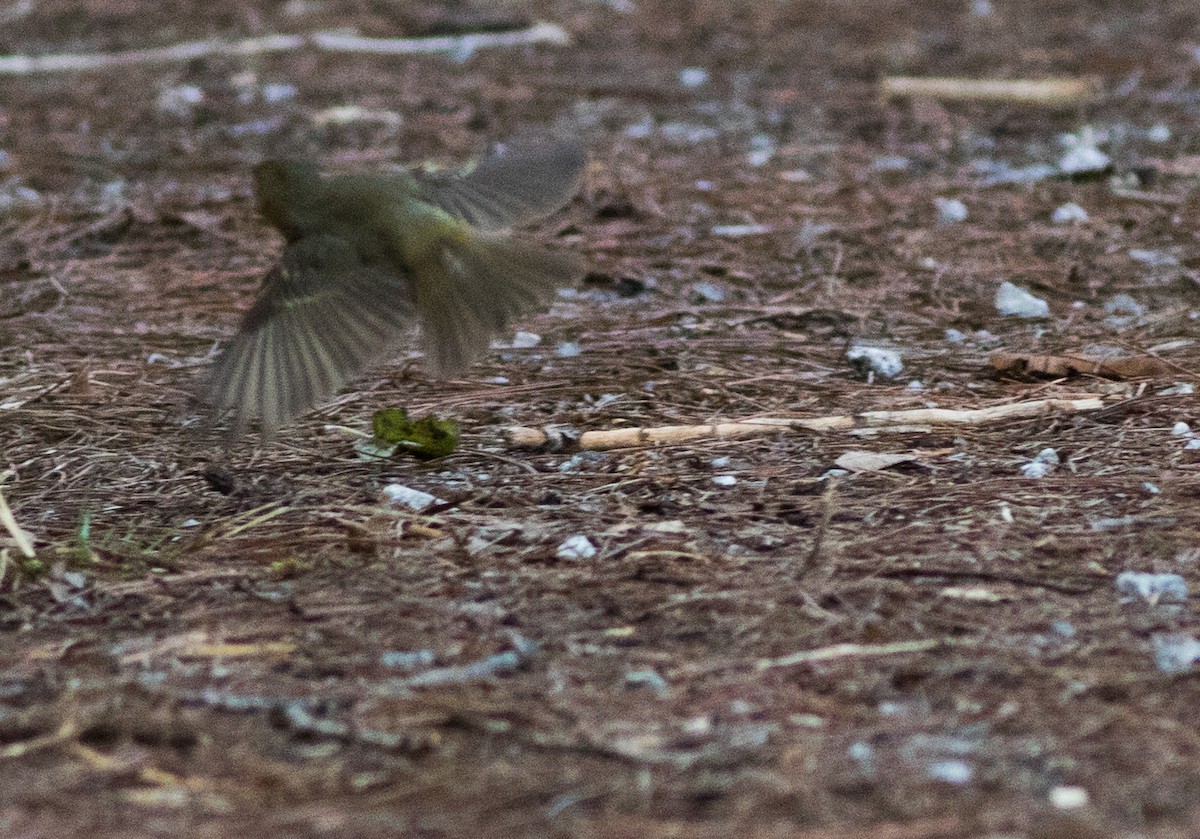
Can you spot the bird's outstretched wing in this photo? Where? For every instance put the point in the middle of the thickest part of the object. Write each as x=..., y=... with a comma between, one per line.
x=322, y=316
x=508, y=190
x=476, y=287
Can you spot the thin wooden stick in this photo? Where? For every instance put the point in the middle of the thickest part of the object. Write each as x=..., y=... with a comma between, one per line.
x=525, y=437
x=1052, y=92
x=10, y=524
x=539, y=33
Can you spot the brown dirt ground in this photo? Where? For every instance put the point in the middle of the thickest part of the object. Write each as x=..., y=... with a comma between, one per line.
x=182, y=661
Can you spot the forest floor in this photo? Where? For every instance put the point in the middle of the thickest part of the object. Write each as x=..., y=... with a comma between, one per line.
x=777, y=636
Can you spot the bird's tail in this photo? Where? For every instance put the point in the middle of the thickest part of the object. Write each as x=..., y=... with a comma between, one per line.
x=474, y=286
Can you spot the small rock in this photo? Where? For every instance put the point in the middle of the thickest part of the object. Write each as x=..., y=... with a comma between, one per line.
x=1181, y=429
x=693, y=77
x=1153, y=259
x=1178, y=389
x=721, y=462
x=647, y=680
x=981, y=8
x=1012, y=300
x=1042, y=465
x=525, y=341
x=891, y=163
x=277, y=92
x=762, y=149
x=875, y=361
x=951, y=771
x=1083, y=159
x=180, y=101
x=576, y=547
x=725, y=480
x=1069, y=798
x=1153, y=588
x=1123, y=304
x=416, y=500
x=1158, y=133
x=950, y=210
x=407, y=660
x=568, y=349
x=735, y=230
x=709, y=292
x=1069, y=213
x=954, y=336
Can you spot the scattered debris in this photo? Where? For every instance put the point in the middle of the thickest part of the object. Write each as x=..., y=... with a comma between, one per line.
x=425, y=438
x=872, y=361
x=416, y=500
x=576, y=547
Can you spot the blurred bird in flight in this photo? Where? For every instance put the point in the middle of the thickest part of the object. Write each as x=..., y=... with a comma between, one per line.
x=370, y=256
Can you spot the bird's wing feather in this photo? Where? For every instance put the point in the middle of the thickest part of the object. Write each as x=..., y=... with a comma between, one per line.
x=507, y=190
x=322, y=317
x=476, y=287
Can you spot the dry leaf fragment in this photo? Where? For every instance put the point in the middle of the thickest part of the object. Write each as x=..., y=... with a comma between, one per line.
x=1058, y=366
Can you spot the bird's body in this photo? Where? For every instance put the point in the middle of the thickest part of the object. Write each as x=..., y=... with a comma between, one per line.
x=369, y=255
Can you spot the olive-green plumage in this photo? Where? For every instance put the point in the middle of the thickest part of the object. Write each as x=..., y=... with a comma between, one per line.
x=368, y=256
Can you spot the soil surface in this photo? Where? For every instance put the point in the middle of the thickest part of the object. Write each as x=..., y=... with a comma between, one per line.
x=759, y=637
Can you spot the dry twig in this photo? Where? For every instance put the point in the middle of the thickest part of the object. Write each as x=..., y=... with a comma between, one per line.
x=539, y=33
x=1050, y=92
x=525, y=437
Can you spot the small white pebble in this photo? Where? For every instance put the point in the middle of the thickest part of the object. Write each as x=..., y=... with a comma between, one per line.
x=1175, y=653
x=1158, y=133
x=1069, y=213
x=1181, y=429
x=951, y=771
x=416, y=500
x=1193, y=443
x=525, y=340
x=1151, y=488
x=1012, y=300
x=1178, y=389
x=576, y=547
x=954, y=336
x=916, y=384
x=568, y=349
x=1153, y=588
x=277, y=92
x=725, y=480
x=1083, y=159
x=950, y=210
x=1069, y=798
x=191, y=523
x=721, y=462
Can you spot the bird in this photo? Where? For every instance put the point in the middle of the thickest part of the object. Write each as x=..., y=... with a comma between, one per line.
x=369, y=256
